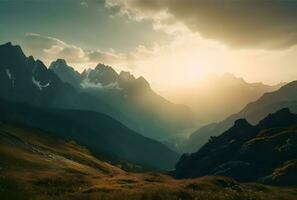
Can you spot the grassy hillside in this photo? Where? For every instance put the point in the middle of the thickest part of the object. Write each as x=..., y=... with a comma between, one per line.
x=34, y=165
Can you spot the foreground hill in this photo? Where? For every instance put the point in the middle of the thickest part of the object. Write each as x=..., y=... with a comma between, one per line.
x=266, y=152
x=148, y=112
x=105, y=137
x=35, y=165
x=285, y=97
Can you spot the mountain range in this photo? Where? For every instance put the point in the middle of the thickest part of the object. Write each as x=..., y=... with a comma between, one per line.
x=147, y=112
x=24, y=79
x=36, y=97
x=265, y=152
x=270, y=102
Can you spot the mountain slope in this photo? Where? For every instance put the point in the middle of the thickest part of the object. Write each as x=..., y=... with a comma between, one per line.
x=253, y=112
x=217, y=97
x=249, y=153
x=105, y=137
x=36, y=165
x=148, y=112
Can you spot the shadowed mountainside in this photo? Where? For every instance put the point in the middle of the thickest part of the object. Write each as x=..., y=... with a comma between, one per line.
x=265, y=152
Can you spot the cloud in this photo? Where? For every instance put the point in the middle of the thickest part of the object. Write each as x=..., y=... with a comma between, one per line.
x=182, y=62
x=49, y=49
x=265, y=24
x=84, y=4
x=100, y=56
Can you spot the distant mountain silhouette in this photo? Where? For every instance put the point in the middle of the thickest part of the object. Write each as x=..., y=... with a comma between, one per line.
x=286, y=96
x=106, y=138
x=265, y=152
x=217, y=97
x=148, y=112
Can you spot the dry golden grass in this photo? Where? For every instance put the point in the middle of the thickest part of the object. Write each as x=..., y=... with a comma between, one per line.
x=36, y=166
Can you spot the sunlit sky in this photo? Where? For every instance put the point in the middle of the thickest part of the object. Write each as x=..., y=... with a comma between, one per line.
x=169, y=42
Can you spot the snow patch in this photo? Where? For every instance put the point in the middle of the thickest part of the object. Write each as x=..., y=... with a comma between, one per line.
x=9, y=75
x=39, y=85
x=87, y=84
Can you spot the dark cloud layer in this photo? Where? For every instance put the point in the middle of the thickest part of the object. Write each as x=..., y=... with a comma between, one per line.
x=238, y=23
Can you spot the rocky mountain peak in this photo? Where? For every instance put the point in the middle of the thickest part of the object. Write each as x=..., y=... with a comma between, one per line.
x=10, y=54
x=126, y=76
x=102, y=74
x=66, y=73
x=59, y=63
x=141, y=81
x=105, y=70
